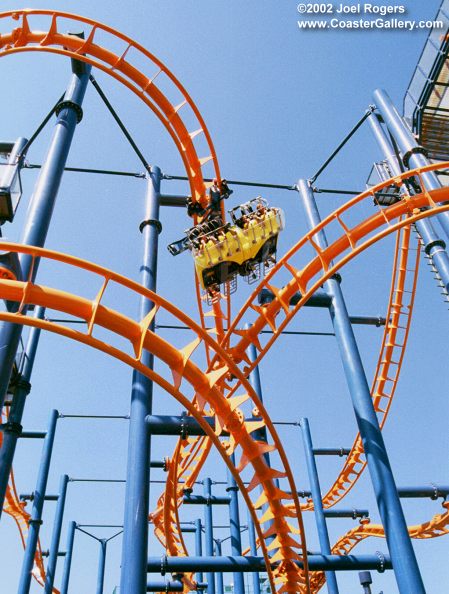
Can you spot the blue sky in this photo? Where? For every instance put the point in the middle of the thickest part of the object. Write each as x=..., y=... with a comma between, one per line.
x=277, y=101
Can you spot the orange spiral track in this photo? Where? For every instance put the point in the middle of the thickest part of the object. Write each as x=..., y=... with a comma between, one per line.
x=212, y=392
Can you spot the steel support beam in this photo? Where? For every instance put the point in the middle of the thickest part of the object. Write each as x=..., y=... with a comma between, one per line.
x=225, y=564
x=219, y=575
x=41, y=207
x=203, y=500
x=331, y=452
x=135, y=533
x=13, y=428
x=31, y=496
x=402, y=554
x=173, y=200
x=38, y=504
x=198, y=545
x=56, y=536
x=261, y=434
x=234, y=521
x=32, y=434
x=158, y=464
x=101, y=565
x=209, y=532
x=253, y=551
x=322, y=299
x=68, y=559
x=176, y=425
x=169, y=586
x=320, y=520
x=346, y=513
x=431, y=491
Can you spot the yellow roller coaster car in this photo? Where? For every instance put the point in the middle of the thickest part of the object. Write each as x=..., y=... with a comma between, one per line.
x=245, y=246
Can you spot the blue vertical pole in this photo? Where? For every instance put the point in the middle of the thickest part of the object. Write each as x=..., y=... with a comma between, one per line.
x=13, y=427
x=413, y=154
x=101, y=566
x=218, y=553
x=261, y=434
x=41, y=206
x=68, y=559
x=198, y=546
x=320, y=520
x=38, y=504
x=402, y=555
x=256, y=384
x=253, y=551
x=135, y=527
x=434, y=246
x=234, y=521
x=209, y=533
x=56, y=536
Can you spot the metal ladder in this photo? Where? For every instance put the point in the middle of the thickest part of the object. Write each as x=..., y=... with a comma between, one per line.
x=431, y=265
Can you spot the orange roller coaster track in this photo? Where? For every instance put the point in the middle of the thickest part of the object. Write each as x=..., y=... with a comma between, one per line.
x=207, y=387
x=223, y=391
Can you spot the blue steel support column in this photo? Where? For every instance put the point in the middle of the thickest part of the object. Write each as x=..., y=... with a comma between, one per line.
x=209, y=533
x=38, y=504
x=254, y=380
x=402, y=555
x=41, y=208
x=68, y=559
x=220, y=584
x=14, y=428
x=253, y=551
x=198, y=546
x=323, y=535
x=101, y=566
x=234, y=521
x=412, y=153
x=56, y=536
x=135, y=526
x=434, y=246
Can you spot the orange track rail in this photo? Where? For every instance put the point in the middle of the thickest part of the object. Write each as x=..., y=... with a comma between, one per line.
x=206, y=388
x=228, y=412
